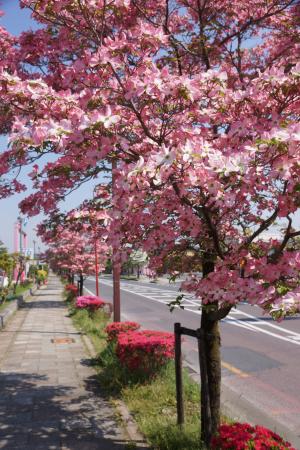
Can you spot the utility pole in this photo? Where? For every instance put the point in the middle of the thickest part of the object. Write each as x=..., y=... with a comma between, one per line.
x=20, y=220
x=96, y=256
x=96, y=268
x=34, y=242
x=116, y=266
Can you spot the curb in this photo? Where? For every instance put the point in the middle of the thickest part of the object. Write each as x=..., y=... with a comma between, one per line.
x=9, y=311
x=13, y=306
x=129, y=424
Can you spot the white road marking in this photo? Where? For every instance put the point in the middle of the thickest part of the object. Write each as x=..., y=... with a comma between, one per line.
x=259, y=321
x=158, y=295
x=250, y=323
x=90, y=292
x=252, y=327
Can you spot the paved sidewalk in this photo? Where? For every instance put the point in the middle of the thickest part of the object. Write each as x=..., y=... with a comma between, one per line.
x=48, y=393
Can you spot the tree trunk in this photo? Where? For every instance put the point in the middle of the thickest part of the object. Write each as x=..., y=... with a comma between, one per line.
x=210, y=369
x=20, y=271
x=80, y=284
x=211, y=344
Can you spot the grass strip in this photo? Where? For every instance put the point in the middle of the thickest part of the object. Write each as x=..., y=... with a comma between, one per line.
x=151, y=402
x=11, y=296
x=21, y=289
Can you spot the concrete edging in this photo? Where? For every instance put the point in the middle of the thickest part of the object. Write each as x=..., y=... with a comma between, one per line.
x=13, y=306
x=128, y=421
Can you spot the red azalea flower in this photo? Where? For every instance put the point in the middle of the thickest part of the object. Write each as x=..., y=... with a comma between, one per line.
x=115, y=328
x=145, y=351
x=90, y=302
x=242, y=436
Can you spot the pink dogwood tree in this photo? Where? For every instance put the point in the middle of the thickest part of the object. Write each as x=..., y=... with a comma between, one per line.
x=198, y=104
x=8, y=63
x=73, y=253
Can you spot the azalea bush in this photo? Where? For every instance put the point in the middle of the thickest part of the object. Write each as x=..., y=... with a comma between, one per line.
x=145, y=352
x=242, y=436
x=115, y=328
x=71, y=290
x=41, y=276
x=89, y=302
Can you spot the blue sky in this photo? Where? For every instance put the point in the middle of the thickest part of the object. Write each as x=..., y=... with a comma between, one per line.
x=15, y=21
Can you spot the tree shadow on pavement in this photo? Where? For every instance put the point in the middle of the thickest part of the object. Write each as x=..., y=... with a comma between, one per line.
x=43, y=304
x=47, y=293
x=34, y=414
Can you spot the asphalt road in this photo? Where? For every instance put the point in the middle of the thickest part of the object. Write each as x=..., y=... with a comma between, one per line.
x=260, y=358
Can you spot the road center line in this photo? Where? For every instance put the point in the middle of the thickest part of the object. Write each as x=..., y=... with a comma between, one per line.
x=234, y=370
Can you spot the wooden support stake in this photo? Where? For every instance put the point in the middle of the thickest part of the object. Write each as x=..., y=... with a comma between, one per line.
x=116, y=265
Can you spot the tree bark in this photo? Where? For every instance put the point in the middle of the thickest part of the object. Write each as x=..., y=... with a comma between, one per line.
x=211, y=369
x=211, y=343
x=80, y=284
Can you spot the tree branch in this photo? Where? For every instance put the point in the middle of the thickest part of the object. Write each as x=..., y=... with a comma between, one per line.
x=202, y=211
x=219, y=314
x=256, y=21
x=264, y=225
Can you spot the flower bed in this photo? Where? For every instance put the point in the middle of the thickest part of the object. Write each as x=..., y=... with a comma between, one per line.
x=115, y=328
x=145, y=351
x=41, y=276
x=242, y=436
x=71, y=289
x=89, y=302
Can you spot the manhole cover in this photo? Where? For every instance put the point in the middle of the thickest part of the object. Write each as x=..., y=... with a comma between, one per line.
x=62, y=341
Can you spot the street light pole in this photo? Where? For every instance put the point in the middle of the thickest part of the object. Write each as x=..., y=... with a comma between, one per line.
x=39, y=251
x=96, y=268
x=116, y=266
x=20, y=220
x=96, y=258
x=34, y=242
x=116, y=291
